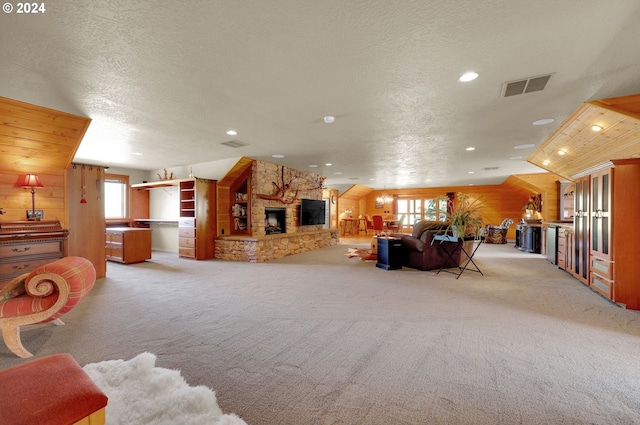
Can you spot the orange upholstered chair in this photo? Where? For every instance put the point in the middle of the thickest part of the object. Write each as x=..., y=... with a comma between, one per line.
x=49, y=292
x=378, y=224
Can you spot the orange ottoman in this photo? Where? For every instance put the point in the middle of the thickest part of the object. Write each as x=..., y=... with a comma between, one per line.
x=374, y=245
x=53, y=390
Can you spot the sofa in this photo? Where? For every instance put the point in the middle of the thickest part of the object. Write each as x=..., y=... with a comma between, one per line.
x=420, y=253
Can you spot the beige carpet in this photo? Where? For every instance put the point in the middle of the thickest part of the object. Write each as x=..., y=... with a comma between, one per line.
x=319, y=338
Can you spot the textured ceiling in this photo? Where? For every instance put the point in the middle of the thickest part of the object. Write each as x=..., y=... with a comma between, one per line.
x=163, y=81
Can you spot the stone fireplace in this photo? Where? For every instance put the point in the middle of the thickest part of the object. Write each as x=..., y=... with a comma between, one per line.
x=275, y=220
x=275, y=229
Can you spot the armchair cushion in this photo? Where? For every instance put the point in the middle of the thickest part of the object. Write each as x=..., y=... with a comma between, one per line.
x=413, y=243
x=13, y=288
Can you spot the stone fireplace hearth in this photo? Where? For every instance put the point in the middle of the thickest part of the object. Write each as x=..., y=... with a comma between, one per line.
x=275, y=220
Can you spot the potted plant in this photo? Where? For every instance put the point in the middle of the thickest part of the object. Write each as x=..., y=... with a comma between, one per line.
x=464, y=218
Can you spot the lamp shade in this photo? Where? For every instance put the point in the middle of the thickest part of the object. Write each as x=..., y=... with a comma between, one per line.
x=32, y=181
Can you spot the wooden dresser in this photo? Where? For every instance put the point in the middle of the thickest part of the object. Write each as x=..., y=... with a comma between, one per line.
x=128, y=244
x=26, y=245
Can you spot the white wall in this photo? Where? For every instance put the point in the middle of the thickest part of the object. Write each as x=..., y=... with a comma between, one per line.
x=164, y=204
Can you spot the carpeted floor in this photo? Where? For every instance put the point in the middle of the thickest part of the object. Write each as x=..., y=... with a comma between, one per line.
x=320, y=338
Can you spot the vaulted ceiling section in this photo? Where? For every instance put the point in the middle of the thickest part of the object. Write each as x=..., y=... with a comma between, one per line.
x=596, y=132
x=33, y=137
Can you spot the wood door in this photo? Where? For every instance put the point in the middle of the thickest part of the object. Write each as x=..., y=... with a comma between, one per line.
x=600, y=213
x=581, y=230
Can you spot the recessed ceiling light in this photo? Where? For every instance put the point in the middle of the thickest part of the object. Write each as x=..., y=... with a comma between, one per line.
x=545, y=162
x=561, y=152
x=232, y=132
x=596, y=127
x=544, y=121
x=328, y=164
x=329, y=119
x=138, y=153
x=313, y=165
x=470, y=148
x=470, y=172
x=277, y=155
x=469, y=76
x=525, y=146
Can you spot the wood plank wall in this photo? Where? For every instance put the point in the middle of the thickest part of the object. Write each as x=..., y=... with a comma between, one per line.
x=500, y=201
x=17, y=200
x=41, y=141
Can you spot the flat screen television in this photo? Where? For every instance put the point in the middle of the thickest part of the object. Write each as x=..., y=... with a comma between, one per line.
x=312, y=212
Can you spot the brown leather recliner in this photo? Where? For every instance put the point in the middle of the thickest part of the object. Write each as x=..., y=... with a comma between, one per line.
x=419, y=251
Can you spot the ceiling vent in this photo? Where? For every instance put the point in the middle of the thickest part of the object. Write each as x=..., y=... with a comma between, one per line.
x=490, y=168
x=528, y=85
x=235, y=144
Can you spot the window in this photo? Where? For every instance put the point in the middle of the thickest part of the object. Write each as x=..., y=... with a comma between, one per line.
x=435, y=209
x=412, y=208
x=116, y=201
x=419, y=209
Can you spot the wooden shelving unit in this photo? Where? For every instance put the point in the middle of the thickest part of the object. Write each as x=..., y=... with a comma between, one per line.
x=197, y=215
x=240, y=201
x=197, y=222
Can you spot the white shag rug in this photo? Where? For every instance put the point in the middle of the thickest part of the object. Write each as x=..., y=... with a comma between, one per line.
x=142, y=394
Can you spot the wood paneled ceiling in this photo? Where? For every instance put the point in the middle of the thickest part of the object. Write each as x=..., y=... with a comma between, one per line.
x=585, y=148
x=356, y=191
x=36, y=138
x=236, y=171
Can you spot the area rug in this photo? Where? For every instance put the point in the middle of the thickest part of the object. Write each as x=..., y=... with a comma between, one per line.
x=142, y=394
x=363, y=254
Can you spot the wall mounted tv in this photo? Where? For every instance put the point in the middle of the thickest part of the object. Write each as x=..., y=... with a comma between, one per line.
x=312, y=212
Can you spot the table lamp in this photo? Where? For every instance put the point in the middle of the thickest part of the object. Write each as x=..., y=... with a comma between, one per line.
x=32, y=181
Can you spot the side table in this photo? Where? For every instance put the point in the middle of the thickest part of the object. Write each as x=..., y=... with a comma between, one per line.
x=389, y=253
x=459, y=245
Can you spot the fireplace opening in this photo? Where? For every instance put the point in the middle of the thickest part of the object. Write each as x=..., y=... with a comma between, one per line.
x=275, y=221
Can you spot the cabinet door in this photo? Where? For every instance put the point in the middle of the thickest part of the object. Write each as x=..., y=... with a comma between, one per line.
x=600, y=213
x=580, y=257
x=570, y=252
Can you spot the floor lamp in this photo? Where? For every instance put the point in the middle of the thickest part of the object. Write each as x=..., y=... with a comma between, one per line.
x=32, y=181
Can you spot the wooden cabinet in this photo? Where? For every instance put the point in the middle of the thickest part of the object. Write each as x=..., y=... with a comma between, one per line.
x=128, y=245
x=27, y=245
x=571, y=243
x=241, y=205
x=606, y=248
x=624, y=249
x=197, y=223
x=600, y=264
x=580, y=247
x=562, y=248
x=566, y=242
